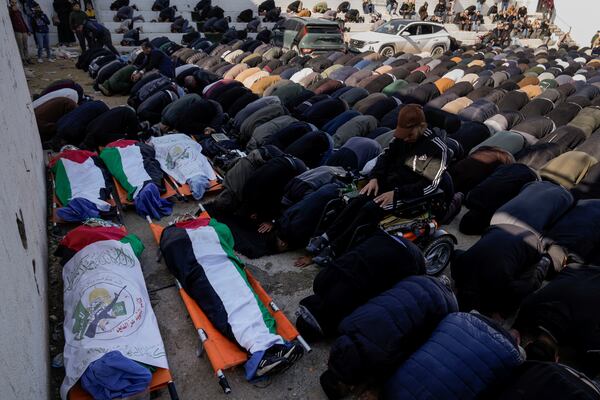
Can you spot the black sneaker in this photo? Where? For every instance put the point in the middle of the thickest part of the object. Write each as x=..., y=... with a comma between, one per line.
x=317, y=244
x=279, y=358
x=325, y=257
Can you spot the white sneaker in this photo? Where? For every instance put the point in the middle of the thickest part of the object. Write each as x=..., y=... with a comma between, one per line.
x=40, y=60
x=51, y=60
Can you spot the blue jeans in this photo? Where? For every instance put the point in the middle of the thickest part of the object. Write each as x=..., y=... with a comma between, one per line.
x=504, y=5
x=42, y=43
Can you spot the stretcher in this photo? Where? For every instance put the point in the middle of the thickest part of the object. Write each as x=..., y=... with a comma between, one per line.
x=124, y=200
x=56, y=204
x=173, y=189
x=223, y=353
x=161, y=378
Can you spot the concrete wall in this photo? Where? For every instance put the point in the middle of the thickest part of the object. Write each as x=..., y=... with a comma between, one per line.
x=24, y=360
x=581, y=16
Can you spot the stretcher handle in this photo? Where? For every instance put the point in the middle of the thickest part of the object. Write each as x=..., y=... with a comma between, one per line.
x=203, y=338
x=223, y=382
x=304, y=344
x=172, y=391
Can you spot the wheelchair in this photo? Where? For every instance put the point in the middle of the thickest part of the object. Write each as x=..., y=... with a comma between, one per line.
x=412, y=219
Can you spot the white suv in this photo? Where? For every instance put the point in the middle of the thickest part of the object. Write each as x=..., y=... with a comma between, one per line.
x=403, y=35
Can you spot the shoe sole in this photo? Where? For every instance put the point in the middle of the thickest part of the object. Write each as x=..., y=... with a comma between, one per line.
x=285, y=362
x=272, y=369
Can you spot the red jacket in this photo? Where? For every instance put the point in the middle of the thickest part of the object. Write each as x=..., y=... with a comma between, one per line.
x=17, y=20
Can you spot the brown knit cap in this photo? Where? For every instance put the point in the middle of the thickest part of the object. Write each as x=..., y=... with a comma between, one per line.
x=410, y=116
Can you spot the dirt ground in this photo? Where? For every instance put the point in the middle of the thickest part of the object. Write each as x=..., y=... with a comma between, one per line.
x=193, y=376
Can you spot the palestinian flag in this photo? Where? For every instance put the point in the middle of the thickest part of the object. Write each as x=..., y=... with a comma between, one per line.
x=133, y=164
x=199, y=253
x=80, y=174
x=85, y=235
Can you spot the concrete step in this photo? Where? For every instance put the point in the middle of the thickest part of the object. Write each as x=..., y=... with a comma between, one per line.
x=453, y=28
x=227, y=5
x=107, y=16
x=175, y=37
x=165, y=27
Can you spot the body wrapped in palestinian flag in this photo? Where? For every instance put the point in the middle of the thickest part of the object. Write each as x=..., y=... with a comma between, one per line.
x=134, y=166
x=181, y=157
x=199, y=253
x=106, y=303
x=82, y=185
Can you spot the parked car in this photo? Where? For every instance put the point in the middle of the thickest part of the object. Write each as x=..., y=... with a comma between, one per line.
x=403, y=35
x=309, y=35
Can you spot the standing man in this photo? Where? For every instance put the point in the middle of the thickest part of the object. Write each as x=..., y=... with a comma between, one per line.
x=76, y=18
x=97, y=35
x=21, y=29
x=39, y=24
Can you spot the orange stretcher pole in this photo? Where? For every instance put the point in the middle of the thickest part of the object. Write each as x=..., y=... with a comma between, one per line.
x=161, y=378
x=222, y=352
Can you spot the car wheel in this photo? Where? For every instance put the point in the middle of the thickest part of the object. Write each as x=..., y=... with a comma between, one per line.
x=437, y=51
x=437, y=254
x=387, y=51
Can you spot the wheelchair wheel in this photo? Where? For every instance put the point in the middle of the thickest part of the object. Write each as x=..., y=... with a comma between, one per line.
x=437, y=254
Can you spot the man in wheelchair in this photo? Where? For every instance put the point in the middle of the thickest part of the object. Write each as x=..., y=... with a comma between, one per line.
x=411, y=167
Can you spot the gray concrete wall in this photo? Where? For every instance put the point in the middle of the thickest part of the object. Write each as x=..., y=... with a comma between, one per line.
x=24, y=360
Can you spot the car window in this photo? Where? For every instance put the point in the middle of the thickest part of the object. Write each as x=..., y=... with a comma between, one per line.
x=392, y=27
x=289, y=24
x=426, y=30
x=413, y=29
x=323, y=29
x=436, y=28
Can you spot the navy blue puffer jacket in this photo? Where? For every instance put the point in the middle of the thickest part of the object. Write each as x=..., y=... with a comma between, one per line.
x=381, y=334
x=463, y=356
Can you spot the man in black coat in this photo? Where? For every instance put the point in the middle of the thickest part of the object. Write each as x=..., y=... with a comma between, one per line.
x=411, y=167
x=564, y=313
x=351, y=280
x=537, y=380
x=511, y=259
x=116, y=123
x=192, y=114
x=97, y=35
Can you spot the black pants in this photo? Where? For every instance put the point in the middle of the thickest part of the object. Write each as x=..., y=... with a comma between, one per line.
x=81, y=40
x=106, y=40
x=360, y=211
